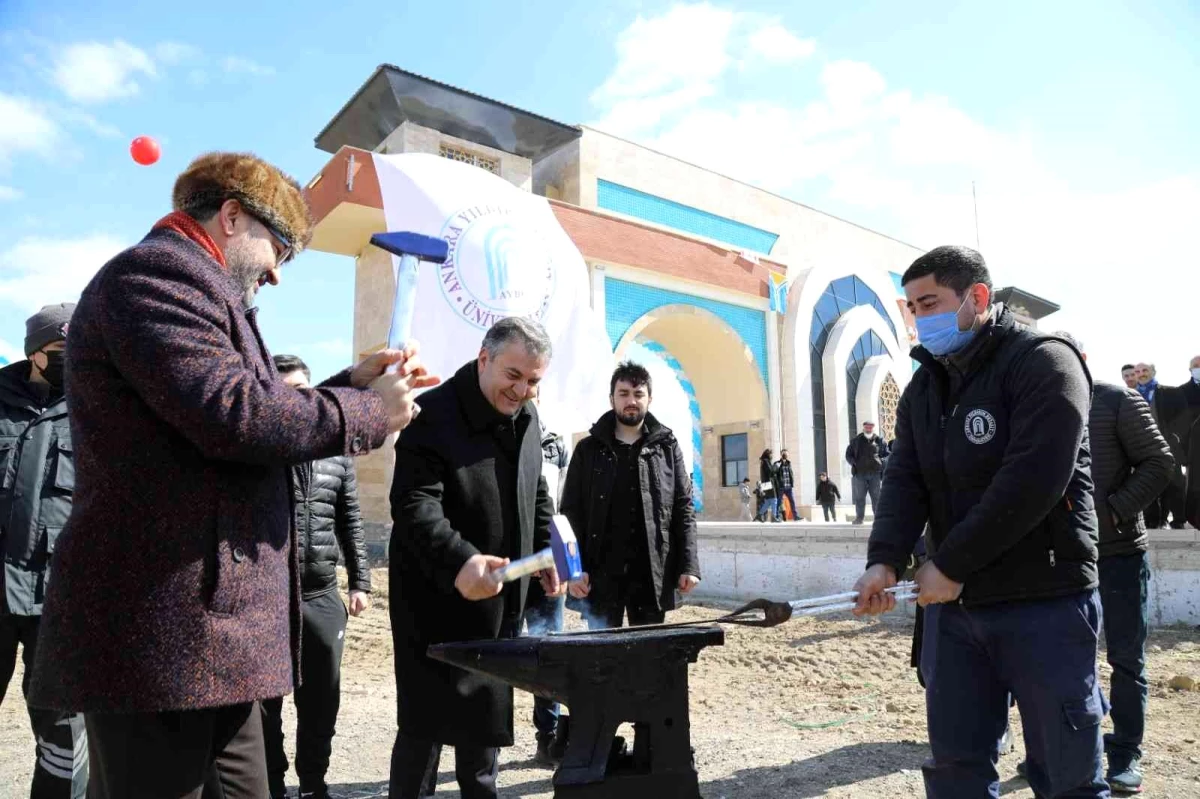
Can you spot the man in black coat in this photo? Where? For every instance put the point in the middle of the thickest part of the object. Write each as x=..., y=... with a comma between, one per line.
x=1169, y=407
x=866, y=454
x=37, y=486
x=992, y=453
x=1131, y=465
x=468, y=494
x=629, y=500
x=327, y=517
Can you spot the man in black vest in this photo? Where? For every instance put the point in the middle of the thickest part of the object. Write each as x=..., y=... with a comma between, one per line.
x=992, y=453
x=1131, y=465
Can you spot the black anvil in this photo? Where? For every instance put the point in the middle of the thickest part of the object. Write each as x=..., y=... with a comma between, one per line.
x=607, y=678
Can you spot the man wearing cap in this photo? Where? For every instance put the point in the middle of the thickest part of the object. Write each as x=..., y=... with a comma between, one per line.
x=37, y=480
x=175, y=604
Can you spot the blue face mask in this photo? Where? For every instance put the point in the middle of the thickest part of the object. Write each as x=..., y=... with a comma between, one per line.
x=940, y=334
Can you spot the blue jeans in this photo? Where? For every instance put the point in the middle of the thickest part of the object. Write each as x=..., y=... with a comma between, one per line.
x=1043, y=652
x=543, y=615
x=1124, y=581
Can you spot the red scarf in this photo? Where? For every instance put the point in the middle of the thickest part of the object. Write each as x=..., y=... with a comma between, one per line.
x=187, y=227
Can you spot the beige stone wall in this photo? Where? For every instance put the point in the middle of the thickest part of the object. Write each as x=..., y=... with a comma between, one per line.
x=557, y=175
x=412, y=138
x=723, y=503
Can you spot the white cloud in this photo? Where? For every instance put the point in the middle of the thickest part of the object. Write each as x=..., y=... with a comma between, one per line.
x=172, y=53
x=8, y=194
x=10, y=353
x=38, y=270
x=902, y=160
x=94, y=72
x=234, y=64
x=776, y=44
x=27, y=128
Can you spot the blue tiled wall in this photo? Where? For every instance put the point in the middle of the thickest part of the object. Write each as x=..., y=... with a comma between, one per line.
x=631, y=202
x=625, y=303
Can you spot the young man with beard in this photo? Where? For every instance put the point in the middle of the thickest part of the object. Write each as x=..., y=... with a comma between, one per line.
x=629, y=500
x=174, y=606
x=992, y=454
x=37, y=481
x=468, y=495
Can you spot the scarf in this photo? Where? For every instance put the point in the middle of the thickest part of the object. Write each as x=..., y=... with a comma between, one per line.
x=1147, y=390
x=184, y=225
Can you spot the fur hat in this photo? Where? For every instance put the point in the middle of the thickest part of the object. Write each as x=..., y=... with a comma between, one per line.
x=264, y=190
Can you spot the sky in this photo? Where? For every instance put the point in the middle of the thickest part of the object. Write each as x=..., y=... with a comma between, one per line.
x=1076, y=121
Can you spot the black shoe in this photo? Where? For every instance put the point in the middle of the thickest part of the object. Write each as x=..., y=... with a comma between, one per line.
x=558, y=747
x=544, y=756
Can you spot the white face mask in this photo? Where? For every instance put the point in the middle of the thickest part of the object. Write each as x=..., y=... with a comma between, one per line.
x=1196, y=373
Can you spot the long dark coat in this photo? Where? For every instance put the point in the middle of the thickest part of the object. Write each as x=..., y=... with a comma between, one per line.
x=446, y=507
x=175, y=582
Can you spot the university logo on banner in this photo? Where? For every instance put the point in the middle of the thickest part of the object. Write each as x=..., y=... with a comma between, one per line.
x=508, y=256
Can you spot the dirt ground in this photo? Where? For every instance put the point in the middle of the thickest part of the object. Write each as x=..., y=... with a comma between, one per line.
x=812, y=708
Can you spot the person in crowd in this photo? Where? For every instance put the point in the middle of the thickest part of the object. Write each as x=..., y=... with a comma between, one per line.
x=787, y=479
x=1129, y=375
x=1191, y=440
x=1131, y=464
x=768, y=508
x=828, y=496
x=544, y=614
x=172, y=611
x=328, y=526
x=746, y=495
x=992, y=454
x=37, y=484
x=1169, y=407
x=866, y=455
x=629, y=500
x=467, y=495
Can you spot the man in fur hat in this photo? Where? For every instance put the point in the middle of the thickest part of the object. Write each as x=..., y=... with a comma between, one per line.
x=175, y=606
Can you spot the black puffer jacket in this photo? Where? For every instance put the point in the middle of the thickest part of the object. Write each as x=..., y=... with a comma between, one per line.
x=327, y=515
x=1131, y=465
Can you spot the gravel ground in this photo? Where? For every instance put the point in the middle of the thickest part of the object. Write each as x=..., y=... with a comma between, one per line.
x=811, y=708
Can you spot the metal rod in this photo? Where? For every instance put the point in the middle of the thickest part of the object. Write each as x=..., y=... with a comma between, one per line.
x=846, y=595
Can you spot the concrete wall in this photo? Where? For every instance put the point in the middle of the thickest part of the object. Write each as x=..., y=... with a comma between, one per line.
x=794, y=561
x=413, y=138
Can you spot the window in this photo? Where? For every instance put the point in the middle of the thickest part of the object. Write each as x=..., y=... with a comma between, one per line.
x=467, y=157
x=735, y=459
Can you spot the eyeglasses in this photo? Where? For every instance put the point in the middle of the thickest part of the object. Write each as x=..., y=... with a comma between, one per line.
x=284, y=252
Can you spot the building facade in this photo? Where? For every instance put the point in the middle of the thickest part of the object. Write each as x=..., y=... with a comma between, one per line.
x=687, y=268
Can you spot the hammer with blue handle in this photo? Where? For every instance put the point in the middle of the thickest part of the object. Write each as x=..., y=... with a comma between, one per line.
x=562, y=555
x=412, y=249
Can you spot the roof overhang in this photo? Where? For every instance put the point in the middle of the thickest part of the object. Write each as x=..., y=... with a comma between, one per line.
x=392, y=96
x=1037, y=307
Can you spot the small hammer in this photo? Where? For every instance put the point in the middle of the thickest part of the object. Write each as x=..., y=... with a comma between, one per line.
x=562, y=555
x=412, y=249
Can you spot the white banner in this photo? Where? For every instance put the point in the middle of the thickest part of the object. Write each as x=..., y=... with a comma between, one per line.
x=508, y=257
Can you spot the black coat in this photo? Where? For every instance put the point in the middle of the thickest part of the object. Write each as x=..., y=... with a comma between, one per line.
x=449, y=503
x=328, y=517
x=766, y=474
x=866, y=455
x=992, y=452
x=37, y=483
x=1131, y=466
x=827, y=492
x=669, y=520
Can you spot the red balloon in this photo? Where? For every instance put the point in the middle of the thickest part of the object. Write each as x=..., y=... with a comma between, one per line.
x=145, y=150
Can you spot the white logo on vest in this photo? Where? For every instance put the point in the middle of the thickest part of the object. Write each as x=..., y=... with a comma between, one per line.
x=980, y=426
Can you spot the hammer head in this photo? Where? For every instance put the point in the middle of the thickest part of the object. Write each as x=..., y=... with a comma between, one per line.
x=566, y=550
x=426, y=248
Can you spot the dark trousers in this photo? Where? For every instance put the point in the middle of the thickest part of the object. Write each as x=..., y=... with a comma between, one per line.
x=632, y=593
x=862, y=485
x=1124, y=590
x=830, y=510
x=215, y=753
x=317, y=699
x=1043, y=652
x=61, y=769
x=415, y=769
x=543, y=615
